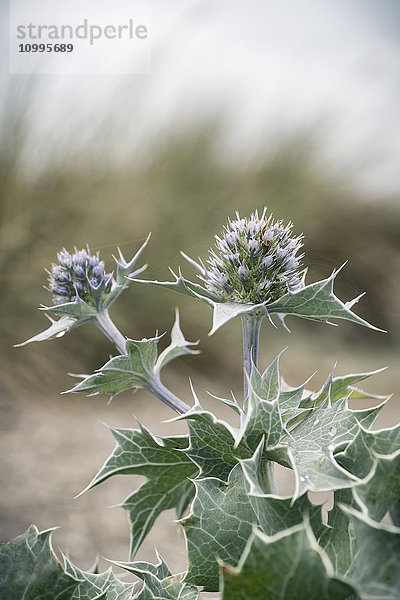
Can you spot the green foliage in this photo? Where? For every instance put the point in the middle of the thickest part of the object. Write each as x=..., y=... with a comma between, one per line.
x=57, y=329
x=288, y=565
x=316, y=302
x=374, y=570
x=126, y=372
x=243, y=537
x=219, y=526
x=237, y=516
x=159, y=583
x=166, y=467
x=138, y=367
x=29, y=570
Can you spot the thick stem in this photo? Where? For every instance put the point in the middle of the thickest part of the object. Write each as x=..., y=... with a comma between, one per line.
x=251, y=325
x=106, y=325
x=166, y=396
x=251, y=332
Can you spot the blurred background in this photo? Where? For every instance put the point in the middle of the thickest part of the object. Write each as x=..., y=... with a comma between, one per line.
x=294, y=106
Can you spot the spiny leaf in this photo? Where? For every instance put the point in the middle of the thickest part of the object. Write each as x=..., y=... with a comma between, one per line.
x=125, y=268
x=262, y=420
x=259, y=472
x=339, y=387
x=123, y=372
x=312, y=444
x=274, y=513
x=94, y=586
x=316, y=302
x=181, y=285
x=289, y=565
x=233, y=404
x=218, y=527
x=29, y=570
x=267, y=385
x=337, y=538
x=138, y=368
x=294, y=402
x=359, y=456
x=212, y=445
x=223, y=514
x=375, y=456
x=164, y=464
x=223, y=312
x=344, y=385
x=159, y=584
x=375, y=569
x=184, y=500
x=150, y=500
x=291, y=399
x=57, y=329
x=78, y=309
x=178, y=347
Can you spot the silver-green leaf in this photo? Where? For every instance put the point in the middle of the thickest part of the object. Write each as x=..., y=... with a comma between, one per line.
x=375, y=568
x=289, y=565
x=30, y=571
x=311, y=445
x=218, y=527
x=166, y=467
x=138, y=368
x=213, y=443
x=316, y=302
x=57, y=329
x=375, y=457
x=159, y=584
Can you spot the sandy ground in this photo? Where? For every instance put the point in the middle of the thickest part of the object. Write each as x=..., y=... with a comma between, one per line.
x=52, y=446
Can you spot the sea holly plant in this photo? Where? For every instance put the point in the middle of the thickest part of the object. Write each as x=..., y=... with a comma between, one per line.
x=245, y=541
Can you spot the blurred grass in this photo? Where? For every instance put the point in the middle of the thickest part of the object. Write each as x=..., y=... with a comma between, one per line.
x=183, y=190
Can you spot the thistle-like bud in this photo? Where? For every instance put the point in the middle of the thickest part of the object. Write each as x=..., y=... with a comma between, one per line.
x=78, y=275
x=255, y=260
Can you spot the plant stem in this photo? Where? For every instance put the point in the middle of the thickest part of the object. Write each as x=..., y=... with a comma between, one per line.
x=166, y=396
x=251, y=332
x=105, y=324
x=251, y=325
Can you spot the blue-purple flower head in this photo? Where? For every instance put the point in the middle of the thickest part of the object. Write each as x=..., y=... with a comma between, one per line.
x=79, y=274
x=254, y=260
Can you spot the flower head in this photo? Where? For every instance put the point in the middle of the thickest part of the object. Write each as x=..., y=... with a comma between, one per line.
x=78, y=275
x=255, y=260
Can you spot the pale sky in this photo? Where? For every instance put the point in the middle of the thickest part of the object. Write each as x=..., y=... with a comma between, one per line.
x=269, y=66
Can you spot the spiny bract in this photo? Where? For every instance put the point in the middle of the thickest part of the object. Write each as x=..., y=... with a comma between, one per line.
x=255, y=260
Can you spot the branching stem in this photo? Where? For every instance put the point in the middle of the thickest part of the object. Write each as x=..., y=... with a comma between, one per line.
x=164, y=394
x=106, y=325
